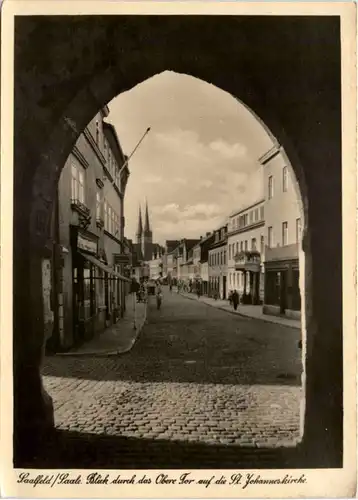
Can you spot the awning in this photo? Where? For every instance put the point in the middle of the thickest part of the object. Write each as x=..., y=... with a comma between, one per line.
x=103, y=266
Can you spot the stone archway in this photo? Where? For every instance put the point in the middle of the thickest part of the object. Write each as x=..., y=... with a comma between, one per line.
x=74, y=66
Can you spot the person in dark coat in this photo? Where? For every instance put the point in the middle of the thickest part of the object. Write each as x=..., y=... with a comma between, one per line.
x=235, y=299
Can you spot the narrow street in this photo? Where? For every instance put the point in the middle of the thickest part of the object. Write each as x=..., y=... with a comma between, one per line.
x=201, y=387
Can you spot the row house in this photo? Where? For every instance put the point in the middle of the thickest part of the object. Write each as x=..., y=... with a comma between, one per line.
x=168, y=259
x=200, y=261
x=217, y=260
x=183, y=266
x=283, y=233
x=246, y=253
x=88, y=229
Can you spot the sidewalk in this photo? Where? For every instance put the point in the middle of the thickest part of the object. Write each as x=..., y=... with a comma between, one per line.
x=248, y=311
x=118, y=338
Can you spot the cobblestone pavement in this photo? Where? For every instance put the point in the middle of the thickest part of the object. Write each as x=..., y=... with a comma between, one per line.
x=201, y=386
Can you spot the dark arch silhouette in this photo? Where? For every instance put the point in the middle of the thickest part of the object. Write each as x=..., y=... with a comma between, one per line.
x=286, y=69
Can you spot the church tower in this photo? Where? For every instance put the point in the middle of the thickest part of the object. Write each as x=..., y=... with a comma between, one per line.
x=139, y=233
x=147, y=237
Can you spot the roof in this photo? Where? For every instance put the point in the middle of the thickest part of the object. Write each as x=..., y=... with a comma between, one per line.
x=109, y=128
x=237, y=212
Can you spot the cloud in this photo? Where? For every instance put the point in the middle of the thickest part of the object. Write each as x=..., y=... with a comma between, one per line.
x=180, y=180
x=228, y=151
x=207, y=183
x=153, y=179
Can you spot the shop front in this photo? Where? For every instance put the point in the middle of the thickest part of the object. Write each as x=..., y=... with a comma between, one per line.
x=282, y=289
x=249, y=264
x=96, y=288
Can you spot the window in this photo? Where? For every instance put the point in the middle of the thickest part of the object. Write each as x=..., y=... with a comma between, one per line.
x=284, y=179
x=105, y=147
x=298, y=230
x=251, y=217
x=246, y=246
x=229, y=251
x=253, y=244
x=262, y=213
x=256, y=214
x=98, y=205
x=97, y=132
x=270, y=187
x=284, y=234
x=77, y=182
x=262, y=244
x=224, y=257
x=270, y=237
x=241, y=246
x=109, y=159
x=237, y=247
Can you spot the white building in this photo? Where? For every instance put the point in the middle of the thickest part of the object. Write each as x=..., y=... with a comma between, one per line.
x=246, y=233
x=283, y=222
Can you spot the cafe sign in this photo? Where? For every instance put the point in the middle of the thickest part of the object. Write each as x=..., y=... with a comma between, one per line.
x=86, y=245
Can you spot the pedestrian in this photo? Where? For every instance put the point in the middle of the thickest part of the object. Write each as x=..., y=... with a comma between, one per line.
x=230, y=298
x=170, y=287
x=158, y=294
x=235, y=299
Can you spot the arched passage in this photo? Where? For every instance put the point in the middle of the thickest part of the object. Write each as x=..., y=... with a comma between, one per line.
x=275, y=66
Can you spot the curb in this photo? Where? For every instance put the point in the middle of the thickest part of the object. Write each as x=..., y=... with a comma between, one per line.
x=264, y=320
x=109, y=353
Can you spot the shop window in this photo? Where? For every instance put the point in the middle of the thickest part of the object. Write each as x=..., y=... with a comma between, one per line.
x=272, y=287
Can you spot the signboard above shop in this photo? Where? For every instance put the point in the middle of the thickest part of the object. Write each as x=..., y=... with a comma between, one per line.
x=120, y=258
x=86, y=245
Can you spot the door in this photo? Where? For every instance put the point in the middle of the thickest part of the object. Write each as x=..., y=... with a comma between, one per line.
x=224, y=287
x=283, y=292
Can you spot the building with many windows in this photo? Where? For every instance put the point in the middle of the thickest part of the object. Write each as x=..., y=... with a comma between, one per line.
x=246, y=249
x=283, y=223
x=88, y=223
x=217, y=259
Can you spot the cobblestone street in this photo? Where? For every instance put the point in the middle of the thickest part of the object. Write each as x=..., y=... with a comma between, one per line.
x=200, y=388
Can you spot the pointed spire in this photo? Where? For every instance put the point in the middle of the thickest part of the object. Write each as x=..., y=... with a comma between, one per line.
x=140, y=224
x=146, y=224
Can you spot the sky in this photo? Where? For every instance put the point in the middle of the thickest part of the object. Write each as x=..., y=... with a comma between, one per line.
x=199, y=162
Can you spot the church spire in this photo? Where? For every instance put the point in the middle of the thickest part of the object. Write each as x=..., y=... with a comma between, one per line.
x=146, y=224
x=140, y=225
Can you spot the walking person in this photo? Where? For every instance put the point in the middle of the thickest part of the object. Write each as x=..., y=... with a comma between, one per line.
x=158, y=295
x=235, y=299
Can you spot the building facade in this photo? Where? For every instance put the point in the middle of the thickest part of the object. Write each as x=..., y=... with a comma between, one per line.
x=246, y=250
x=217, y=260
x=88, y=223
x=283, y=223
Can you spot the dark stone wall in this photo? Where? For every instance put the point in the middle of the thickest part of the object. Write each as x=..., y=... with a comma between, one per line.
x=287, y=70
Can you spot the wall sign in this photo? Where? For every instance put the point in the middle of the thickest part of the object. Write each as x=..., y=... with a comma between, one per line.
x=86, y=245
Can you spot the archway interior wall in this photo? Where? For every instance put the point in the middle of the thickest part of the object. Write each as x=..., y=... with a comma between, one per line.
x=300, y=104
